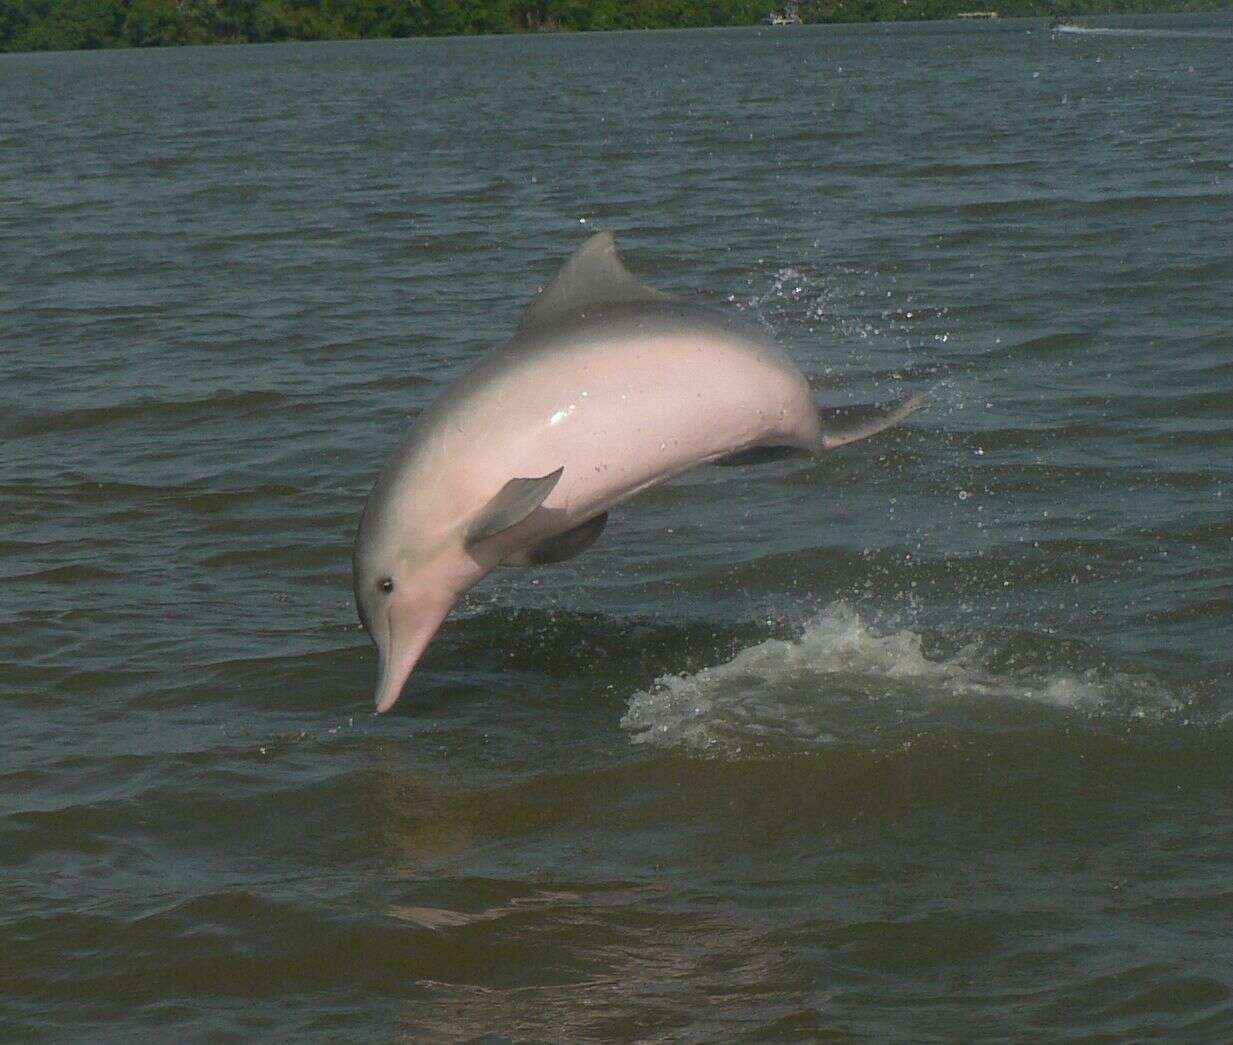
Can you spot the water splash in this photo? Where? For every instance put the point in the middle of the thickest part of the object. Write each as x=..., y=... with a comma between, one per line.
x=790, y=294
x=846, y=681
x=1104, y=30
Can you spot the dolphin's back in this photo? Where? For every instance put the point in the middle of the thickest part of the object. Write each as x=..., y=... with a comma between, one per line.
x=623, y=326
x=622, y=396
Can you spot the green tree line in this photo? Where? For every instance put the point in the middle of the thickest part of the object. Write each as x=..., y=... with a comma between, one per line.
x=60, y=25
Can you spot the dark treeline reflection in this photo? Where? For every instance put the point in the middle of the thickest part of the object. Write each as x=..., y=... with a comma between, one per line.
x=45, y=25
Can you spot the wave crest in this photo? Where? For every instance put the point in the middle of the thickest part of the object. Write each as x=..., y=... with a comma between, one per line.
x=844, y=681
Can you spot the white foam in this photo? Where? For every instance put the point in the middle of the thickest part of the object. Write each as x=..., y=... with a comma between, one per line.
x=844, y=680
x=1104, y=30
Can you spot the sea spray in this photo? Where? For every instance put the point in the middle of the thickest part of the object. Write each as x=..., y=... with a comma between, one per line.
x=845, y=680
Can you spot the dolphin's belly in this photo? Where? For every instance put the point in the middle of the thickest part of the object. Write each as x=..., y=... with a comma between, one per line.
x=621, y=416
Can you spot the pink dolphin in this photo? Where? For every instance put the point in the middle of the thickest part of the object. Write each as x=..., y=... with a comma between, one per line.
x=607, y=388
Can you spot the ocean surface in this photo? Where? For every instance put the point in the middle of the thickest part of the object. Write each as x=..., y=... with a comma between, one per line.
x=929, y=740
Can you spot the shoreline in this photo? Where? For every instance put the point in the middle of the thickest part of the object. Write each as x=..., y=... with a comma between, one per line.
x=43, y=38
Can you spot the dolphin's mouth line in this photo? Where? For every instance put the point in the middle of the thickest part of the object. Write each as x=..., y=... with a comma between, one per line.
x=383, y=660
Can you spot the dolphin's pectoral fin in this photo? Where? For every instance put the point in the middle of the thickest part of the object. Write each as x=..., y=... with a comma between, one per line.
x=759, y=455
x=594, y=275
x=517, y=499
x=568, y=544
x=847, y=424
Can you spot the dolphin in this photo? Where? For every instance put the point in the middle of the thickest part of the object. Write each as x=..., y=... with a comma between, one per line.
x=607, y=388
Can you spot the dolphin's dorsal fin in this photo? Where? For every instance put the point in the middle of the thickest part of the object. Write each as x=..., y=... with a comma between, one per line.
x=594, y=275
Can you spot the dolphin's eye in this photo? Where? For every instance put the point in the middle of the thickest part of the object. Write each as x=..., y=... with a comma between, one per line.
x=386, y=585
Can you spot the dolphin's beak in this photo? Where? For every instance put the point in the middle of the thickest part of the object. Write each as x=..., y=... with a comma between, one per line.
x=409, y=633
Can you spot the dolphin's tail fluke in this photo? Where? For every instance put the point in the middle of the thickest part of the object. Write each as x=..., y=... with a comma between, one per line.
x=846, y=424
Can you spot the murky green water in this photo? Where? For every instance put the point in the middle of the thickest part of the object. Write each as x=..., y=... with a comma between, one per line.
x=925, y=741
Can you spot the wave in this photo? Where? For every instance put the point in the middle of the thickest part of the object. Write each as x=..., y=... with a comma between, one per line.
x=845, y=681
x=1100, y=30
x=223, y=403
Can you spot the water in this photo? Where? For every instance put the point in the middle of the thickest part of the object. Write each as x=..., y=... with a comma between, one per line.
x=925, y=741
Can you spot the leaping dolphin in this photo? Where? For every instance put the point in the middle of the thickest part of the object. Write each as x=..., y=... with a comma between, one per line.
x=607, y=388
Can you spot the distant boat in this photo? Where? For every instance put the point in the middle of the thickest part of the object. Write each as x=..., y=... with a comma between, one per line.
x=978, y=14
x=788, y=16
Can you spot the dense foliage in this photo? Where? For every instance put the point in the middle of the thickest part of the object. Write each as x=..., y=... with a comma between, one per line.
x=34, y=25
